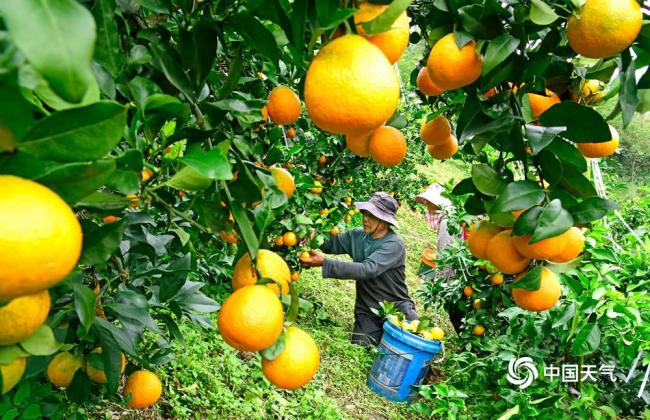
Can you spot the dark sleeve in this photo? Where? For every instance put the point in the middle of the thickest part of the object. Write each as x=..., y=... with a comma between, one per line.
x=390, y=255
x=339, y=244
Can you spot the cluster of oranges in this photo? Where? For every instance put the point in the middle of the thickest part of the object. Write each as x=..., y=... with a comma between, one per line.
x=40, y=244
x=418, y=328
x=252, y=319
x=436, y=134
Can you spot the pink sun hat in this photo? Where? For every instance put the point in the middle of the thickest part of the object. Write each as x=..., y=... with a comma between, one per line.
x=433, y=195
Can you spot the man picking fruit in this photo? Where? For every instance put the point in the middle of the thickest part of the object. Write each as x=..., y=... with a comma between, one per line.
x=377, y=266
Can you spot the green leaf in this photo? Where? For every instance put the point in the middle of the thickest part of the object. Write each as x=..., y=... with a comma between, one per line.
x=199, y=50
x=576, y=183
x=159, y=6
x=213, y=164
x=587, y=340
x=540, y=137
x=100, y=243
x=189, y=179
x=74, y=181
x=272, y=352
x=238, y=105
x=183, y=236
x=167, y=59
x=85, y=303
x=583, y=124
x=112, y=341
x=553, y=221
x=565, y=316
x=627, y=96
x=487, y=180
x=592, y=208
x=518, y=195
x=77, y=134
x=244, y=223
x=330, y=15
x=15, y=113
x=530, y=281
x=568, y=153
x=41, y=343
x=385, y=20
x=527, y=221
x=498, y=50
x=10, y=353
x=107, y=51
x=256, y=34
x=541, y=13
x=57, y=37
x=551, y=167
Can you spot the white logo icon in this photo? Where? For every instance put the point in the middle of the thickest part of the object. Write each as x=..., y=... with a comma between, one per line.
x=522, y=372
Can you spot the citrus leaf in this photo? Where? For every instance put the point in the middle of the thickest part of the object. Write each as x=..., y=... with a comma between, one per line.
x=100, y=243
x=541, y=13
x=553, y=221
x=592, y=208
x=273, y=351
x=74, y=181
x=213, y=164
x=107, y=51
x=487, y=180
x=583, y=124
x=587, y=340
x=498, y=50
x=189, y=179
x=385, y=20
x=530, y=281
x=540, y=137
x=256, y=34
x=527, y=221
x=551, y=167
x=518, y=195
x=85, y=303
x=104, y=201
x=10, y=353
x=41, y=343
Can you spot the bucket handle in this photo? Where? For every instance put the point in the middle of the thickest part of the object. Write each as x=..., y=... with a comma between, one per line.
x=443, y=354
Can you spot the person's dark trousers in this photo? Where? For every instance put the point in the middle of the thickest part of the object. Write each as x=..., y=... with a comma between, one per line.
x=368, y=329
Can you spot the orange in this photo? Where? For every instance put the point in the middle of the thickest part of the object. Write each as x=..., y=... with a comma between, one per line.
x=479, y=238
x=478, y=330
x=436, y=132
x=445, y=150
x=324, y=212
x=451, y=67
x=592, y=91
x=283, y=105
x=468, y=291
x=298, y=362
x=540, y=103
x=265, y=113
x=392, y=42
x=289, y=239
x=11, y=373
x=426, y=85
x=230, y=237
x=496, y=279
x=604, y=28
x=334, y=231
x=541, y=299
x=477, y=304
x=291, y=132
x=304, y=255
x=504, y=256
x=599, y=150
x=387, y=146
x=295, y=276
x=22, y=316
x=347, y=219
x=144, y=387
x=278, y=241
x=322, y=160
x=575, y=244
x=97, y=375
x=62, y=369
x=251, y=318
x=542, y=250
x=428, y=257
x=110, y=219
x=269, y=264
x=317, y=188
x=284, y=180
x=40, y=237
x=358, y=144
x=350, y=87
x=146, y=174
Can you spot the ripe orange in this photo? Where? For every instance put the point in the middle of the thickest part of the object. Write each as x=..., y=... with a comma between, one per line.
x=347, y=219
x=291, y=132
x=445, y=150
x=540, y=103
x=97, y=375
x=350, y=87
x=575, y=244
x=144, y=387
x=451, y=67
x=334, y=231
x=542, y=250
x=496, y=279
x=504, y=256
x=297, y=364
x=317, y=188
x=387, y=146
x=110, y=219
x=284, y=180
x=265, y=113
x=278, y=241
x=22, y=316
x=40, y=237
x=604, y=27
x=289, y=239
x=541, y=299
x=477, y=304
x=358, y=144
x=479, y=238
x=436, y=132
x=295, y=276
x=478, y=330
x=426, y=85
x=181, y=194
x=62, y=369
x=283, y=105
x=11, y=373
x=351, y=212
x=468, y=291
x=324, y=212
x=599, y=150
x=251, y=318
x=230, y=237
x=146, y=174
x=322, y=160
x=592, y=91
x=392, y=42
x=304, y=255
x=269, y=264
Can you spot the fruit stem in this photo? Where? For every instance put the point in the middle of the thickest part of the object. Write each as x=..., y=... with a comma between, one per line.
x=292, y=314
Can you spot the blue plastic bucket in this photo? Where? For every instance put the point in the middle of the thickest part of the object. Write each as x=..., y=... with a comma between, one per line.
x=403, y=361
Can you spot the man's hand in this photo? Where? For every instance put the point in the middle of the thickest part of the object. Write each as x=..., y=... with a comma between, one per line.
x=315, y=259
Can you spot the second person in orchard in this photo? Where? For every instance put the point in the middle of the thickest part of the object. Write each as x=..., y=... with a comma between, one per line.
x=377, y=266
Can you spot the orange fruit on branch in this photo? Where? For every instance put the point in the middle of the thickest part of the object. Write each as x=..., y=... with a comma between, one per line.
x=97, y=375
x=358, y=144
x=540, y=103
x=298, y=362
x=575, y=244
x=600, y=150
x=478, y=330
x=541, y=299
x=269, y=264
x=436, y=132
x=542, y=250
x=22, y=316
x=445, y=150
x=479, y=238
x=426, y=85
x=451, y=67
x=504, y=256
x=289, y=239
x=62, y=369
x=317, y=188
x=392, y=42
x=387, y=146
x=144, y=388
x=251, y=318
x=283, y=105
x=11, y=372
x=284, y=180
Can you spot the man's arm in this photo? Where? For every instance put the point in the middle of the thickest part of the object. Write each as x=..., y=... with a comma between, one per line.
x=339, y=244
x=388, y=256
